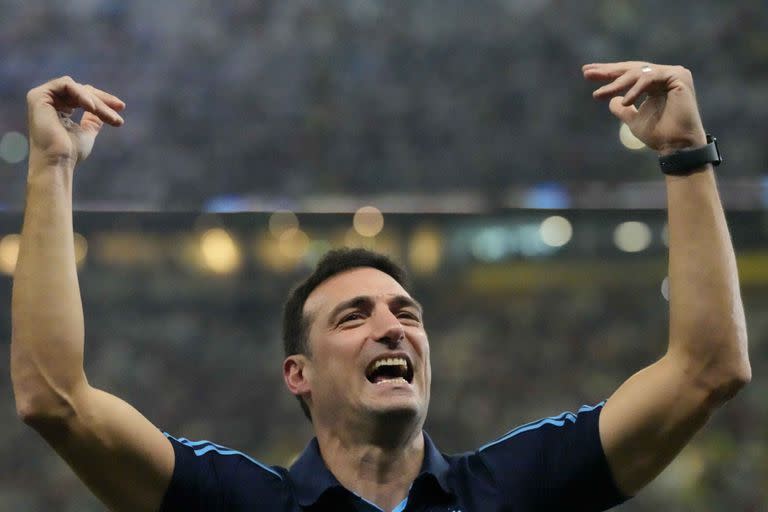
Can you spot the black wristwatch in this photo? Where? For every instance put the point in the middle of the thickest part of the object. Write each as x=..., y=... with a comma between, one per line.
x=687, y=161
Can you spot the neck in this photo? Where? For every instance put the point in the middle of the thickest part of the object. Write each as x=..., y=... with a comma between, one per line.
x=380, y=471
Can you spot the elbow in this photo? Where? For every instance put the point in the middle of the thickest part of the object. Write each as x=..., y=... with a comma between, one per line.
x=728, y=383
x=43, y=413
x=718, y=368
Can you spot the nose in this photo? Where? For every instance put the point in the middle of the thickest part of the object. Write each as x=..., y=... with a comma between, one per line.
x=388, y=329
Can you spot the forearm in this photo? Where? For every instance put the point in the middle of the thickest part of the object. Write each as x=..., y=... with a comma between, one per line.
x=707, y=324
x=48, y=328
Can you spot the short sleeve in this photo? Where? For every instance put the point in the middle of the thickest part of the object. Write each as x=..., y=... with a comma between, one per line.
x=554, y=463
x=210, y=477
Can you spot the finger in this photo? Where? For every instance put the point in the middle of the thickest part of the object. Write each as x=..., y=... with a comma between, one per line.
x=91, y=123
x=110, y=99
x=67, y=94
x=625, y=113
x=618, y=86
x=640, y=86
x=71, y=94
x=104, y=111
x=609, y=71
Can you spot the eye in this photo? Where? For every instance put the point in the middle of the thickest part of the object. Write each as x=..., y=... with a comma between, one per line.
x=408, y=315
x=351, y=317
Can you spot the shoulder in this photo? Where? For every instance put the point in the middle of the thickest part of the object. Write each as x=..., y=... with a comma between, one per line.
x=528, y=436
x=209, y=476
x=224, y=456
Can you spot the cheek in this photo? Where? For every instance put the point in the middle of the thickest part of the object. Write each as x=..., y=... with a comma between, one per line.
x=337, y=360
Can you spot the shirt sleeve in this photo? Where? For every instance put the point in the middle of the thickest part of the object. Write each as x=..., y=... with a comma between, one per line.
x=210, y=477
x=555, y=463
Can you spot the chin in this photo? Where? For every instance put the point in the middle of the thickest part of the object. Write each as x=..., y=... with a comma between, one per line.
x=396, y=412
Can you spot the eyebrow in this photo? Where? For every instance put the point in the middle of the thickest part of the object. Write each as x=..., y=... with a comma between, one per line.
x=365, y=301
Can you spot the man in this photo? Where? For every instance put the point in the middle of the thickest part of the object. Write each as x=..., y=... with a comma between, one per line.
x=358, y=355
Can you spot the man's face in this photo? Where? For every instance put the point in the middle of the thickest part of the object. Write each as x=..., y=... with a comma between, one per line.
x=370, y=354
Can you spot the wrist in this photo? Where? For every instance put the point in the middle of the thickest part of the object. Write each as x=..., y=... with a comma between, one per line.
x=50, y=174
x=683, y=162
x=42, y=164
x=682, y=144
x=40, y=159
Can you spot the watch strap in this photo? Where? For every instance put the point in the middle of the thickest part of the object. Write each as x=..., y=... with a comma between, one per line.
x=687, y=161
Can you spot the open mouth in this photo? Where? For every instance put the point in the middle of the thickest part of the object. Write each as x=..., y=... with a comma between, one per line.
x=390, y=369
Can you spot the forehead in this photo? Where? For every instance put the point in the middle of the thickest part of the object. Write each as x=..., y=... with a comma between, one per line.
x=351, y=283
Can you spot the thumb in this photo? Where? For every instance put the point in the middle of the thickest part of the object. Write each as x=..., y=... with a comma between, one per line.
x=626, y=114
x=85, y=134
x=91, y=123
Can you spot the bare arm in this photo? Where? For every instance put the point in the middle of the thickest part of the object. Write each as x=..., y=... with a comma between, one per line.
x=117, y=452
x=651, y=417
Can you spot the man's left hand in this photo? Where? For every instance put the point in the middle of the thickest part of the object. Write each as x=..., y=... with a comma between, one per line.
x=668, y=118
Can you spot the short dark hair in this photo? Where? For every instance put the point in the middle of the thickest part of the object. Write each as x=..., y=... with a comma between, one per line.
x=296, y=324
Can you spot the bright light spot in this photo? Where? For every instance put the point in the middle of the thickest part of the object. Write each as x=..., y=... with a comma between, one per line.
x=368, y=221
x=632, y=236
x=293, y=244
x=13, y=147
x=556, y=231
x=282, y=221
x=665, y=235
x=81, y=249
x=665, y=288
x=220, y=252
x=9, y=252
x=425, y=250
x=628, y=138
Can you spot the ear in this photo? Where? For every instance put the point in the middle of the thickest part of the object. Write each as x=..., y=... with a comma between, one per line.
x=297, y=372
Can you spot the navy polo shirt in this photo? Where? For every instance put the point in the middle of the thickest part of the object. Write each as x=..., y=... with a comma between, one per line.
x=555, y=463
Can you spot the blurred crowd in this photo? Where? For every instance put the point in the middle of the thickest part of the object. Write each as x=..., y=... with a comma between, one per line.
x=200, y=355
x=288, y=98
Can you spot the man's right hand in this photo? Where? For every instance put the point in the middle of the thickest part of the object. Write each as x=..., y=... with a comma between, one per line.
x=56, y=139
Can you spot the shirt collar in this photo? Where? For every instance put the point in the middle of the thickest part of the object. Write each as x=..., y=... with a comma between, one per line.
x=311, y=477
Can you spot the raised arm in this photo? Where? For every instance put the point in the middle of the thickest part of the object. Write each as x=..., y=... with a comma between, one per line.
x=651, y=417
x=120, y=455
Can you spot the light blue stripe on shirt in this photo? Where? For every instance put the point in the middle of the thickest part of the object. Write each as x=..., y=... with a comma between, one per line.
x=557, y=421
x=208, y=446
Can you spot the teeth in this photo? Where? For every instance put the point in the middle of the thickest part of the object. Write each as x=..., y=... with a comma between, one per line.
x=394, y=361
x=396, y=379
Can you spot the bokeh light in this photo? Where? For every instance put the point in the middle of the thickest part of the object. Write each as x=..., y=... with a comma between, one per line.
x=81, y=249
x=425, y=250
x=632, y=236
x=368, y=221
x=9, y=253
x=665, y=288
x=556, y=231
x=219, y=251
x=293, y=244
x=14, y=147
x=628, y=138
x=282, y=221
